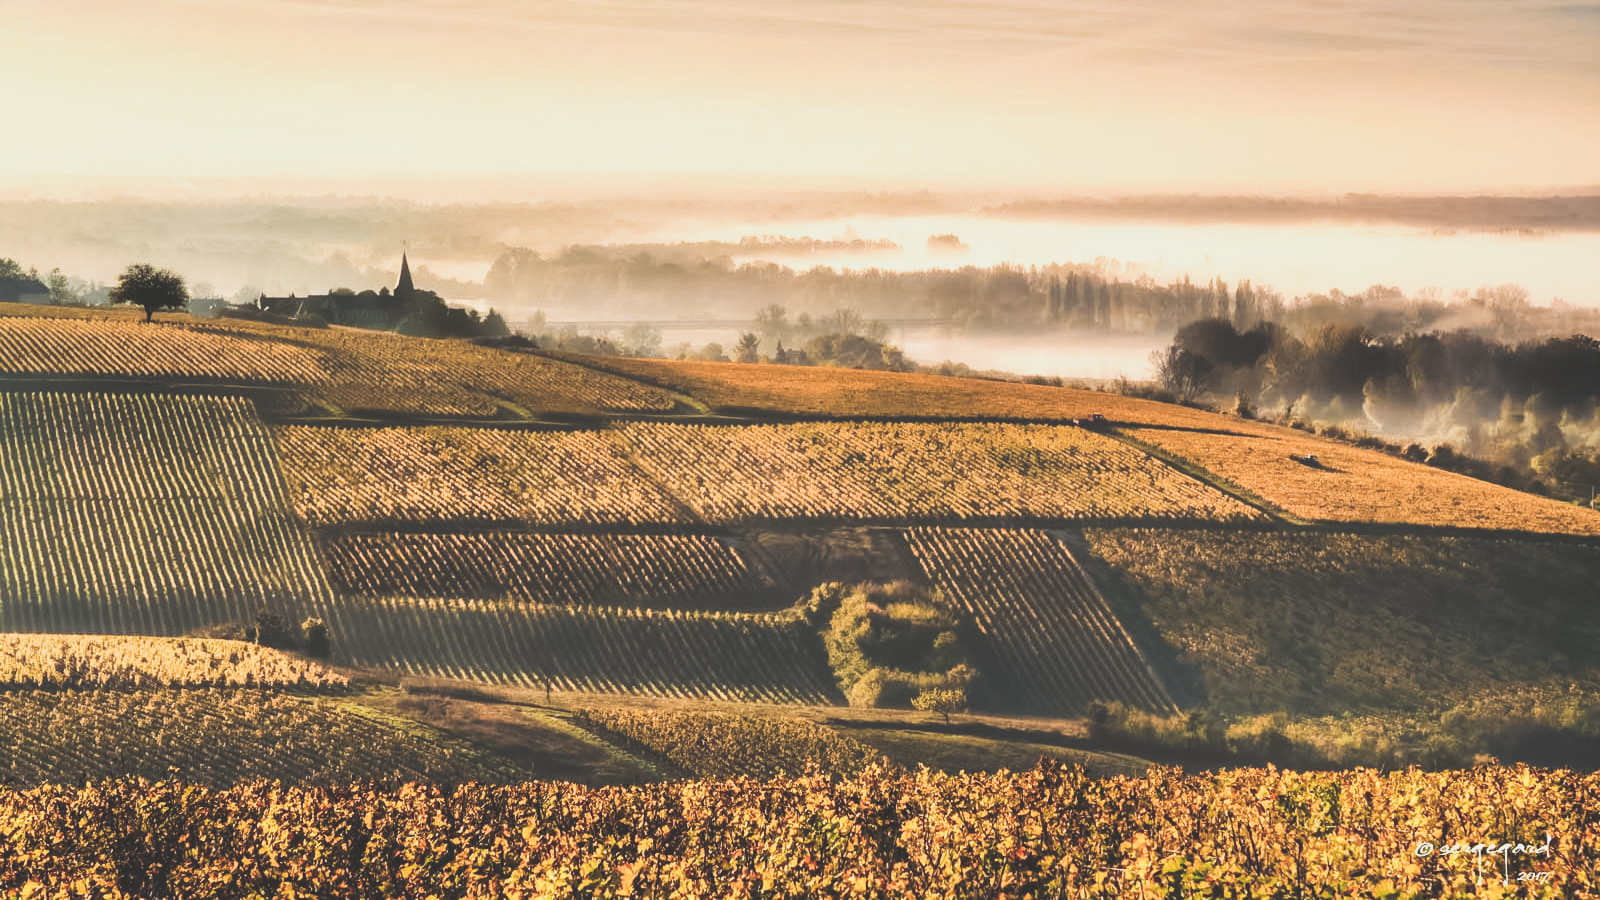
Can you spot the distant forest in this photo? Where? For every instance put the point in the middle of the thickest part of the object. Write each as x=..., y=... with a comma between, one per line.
x=660, y=281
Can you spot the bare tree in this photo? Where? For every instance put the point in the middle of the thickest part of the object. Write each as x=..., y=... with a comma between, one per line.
x=1181, y=373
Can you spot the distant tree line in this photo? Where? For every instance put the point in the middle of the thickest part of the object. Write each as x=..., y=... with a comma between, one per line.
x=1532, y=406
x=994, y=298
x=659, y=280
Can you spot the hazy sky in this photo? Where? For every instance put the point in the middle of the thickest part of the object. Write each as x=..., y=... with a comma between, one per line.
x=1321, y=95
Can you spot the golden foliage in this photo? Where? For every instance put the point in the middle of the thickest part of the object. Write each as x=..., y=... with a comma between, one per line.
x=77, y=661
x=1049, y=832
x=1350, y=484
x=938, y=471
x=212, y=736
x=439, y=474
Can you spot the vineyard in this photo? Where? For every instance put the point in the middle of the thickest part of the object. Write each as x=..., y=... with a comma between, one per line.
x=1321, y=623
x=885, y=471
x=862, y=393
x=144, y=514
x=342, y=476
x=711, y=656
x=726, y=745
x=214, y=737
x=335, y=370
x=82, y=661
x=656, y=474
x=1349, y=484
x=674, y=571
x=1055, y=643
x=130, y=349
x=381, y=372
x=1050, y=832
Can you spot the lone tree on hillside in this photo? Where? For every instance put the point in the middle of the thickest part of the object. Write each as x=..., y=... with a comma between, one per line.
x=150, y=288
x=941, y=700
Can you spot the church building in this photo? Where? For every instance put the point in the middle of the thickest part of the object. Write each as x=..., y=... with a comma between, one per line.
x=378, y=310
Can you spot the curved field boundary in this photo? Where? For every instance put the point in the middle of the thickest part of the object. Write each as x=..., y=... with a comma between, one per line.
x=1056, y=644
x=709, y=656
x=663, y=570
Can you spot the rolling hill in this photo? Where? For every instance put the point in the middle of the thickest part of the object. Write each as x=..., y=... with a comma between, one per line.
x=652, y=529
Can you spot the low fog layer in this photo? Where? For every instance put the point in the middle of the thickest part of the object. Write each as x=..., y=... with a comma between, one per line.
x=1297, y=246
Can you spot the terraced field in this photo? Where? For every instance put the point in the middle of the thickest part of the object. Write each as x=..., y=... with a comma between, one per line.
x=1056, y=643
x=1352, y=485
x=379, y=372
x=144, y=514
x=665, y=571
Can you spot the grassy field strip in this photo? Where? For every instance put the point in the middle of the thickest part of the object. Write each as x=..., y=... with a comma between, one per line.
x=763, y=658
x=1056, y=642
x=953, y=753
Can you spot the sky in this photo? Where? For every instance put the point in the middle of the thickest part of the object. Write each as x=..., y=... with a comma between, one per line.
x=1082, y=95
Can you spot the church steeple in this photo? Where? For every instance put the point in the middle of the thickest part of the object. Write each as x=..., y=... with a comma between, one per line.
x=404, y=287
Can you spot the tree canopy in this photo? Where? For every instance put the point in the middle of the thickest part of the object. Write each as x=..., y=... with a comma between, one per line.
x=150, y=288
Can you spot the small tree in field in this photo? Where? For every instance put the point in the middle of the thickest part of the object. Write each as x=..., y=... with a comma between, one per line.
x=941, y=700
x=150, y=288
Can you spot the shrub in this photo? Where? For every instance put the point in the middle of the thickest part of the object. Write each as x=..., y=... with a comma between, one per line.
x=889, y=642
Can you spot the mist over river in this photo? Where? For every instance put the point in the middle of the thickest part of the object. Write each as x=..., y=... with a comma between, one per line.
x=1295, y=260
